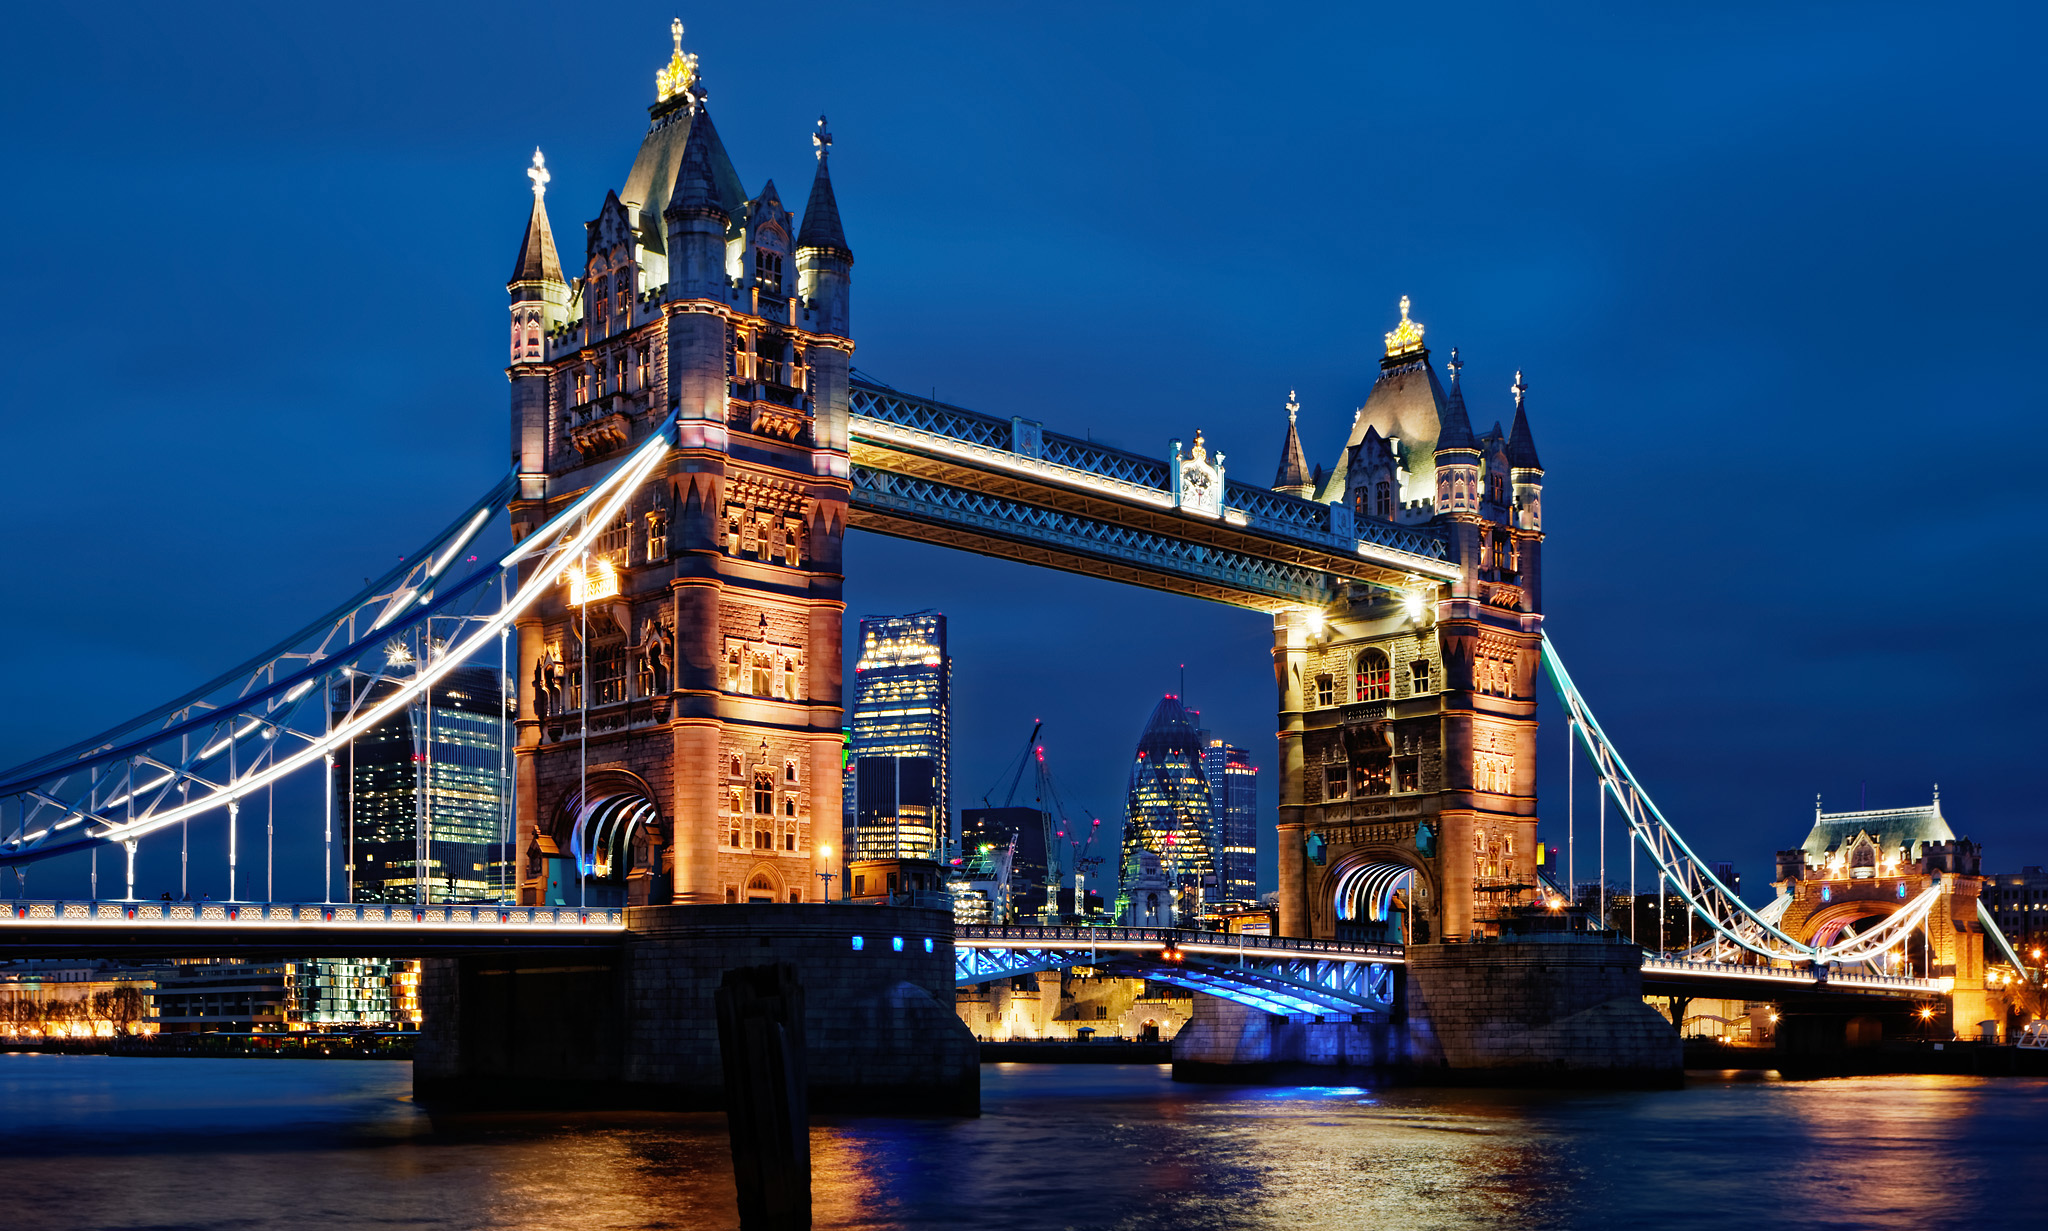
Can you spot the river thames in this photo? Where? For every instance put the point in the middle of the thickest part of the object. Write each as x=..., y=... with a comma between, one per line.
x=91, y=1141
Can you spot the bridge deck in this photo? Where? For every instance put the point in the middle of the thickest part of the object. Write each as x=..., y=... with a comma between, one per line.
x=148, y=929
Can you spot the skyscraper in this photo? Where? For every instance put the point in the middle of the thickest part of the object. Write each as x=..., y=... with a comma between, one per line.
x=902, y=717
x=1170, y=815
x=1234, y=817
x=421, y=794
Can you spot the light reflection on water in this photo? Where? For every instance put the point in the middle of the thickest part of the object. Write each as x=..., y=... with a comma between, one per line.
x=245, y=1144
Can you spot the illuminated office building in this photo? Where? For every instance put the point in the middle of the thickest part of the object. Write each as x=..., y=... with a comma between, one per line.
x=1170, y=816
x=1234, y=817
x=902, y=699
x=424, y=789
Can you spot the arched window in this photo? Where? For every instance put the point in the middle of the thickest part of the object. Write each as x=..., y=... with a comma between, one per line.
x=789, y=809
x=789, y=771
x=764, y=793
x=622, y=287
x=762, y=671
x=760, y=888
x=1375, y=676
x=1497, y=497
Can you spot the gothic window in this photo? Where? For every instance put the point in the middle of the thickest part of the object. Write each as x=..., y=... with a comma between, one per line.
x=608, y=672
x=764, y=793
x=768, y=269
x=761, y=673
x=1383, y=501
x=789, y=771
x=780, y=688
x=657, y=537
x=789, y=844
x=622, y=288
x=764, y=839
x=612, y=542
x=732, y=839
x=1478, y=842
x=1375, y=676
x=1333, y=782
x=750, y=536
x=789, y=805
x=792, y=554
x=532, y=337
x=1418, y=676
x=732, y=528
x=1326, y=690
x=1372, y=778
x=641, y=372
x=582, y=386
x=734, y=769
x=732, y=675
x=618, y=384
x=736, y=801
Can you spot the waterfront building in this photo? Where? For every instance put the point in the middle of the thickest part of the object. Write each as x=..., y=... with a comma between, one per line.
x=1170, y=817
x=902, y=718
x=1234, y=819
x=421, y=794
x=2018, y=901
x=294, y=994
x=76, y=998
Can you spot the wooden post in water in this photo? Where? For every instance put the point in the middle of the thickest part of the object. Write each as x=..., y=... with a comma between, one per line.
x=761, y=1040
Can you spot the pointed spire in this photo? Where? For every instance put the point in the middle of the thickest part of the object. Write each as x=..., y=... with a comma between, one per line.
x=538, y=261
x=695, y=194
x=1293, y=478
x=1521, y=442
x=1456, y=429
x=821, y=227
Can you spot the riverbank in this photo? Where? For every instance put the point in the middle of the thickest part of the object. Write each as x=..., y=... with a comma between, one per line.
x=226, y=1046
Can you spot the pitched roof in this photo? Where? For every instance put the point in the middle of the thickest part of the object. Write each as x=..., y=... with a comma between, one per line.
x=1891, y=827
x=694, y=192
x=821, y=227
x=654, y=169
x=537, y=260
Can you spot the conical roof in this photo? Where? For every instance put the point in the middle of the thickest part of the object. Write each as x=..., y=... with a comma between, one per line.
x=655, y=166
x=1455, y=430
x=1293, y=476
x=821, y=228
x=537, y=260
x=1521, y=443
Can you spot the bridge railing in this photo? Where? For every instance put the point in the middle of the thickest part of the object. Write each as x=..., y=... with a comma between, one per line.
x=1808, y=976
x=337, y=916
x=1075, y=936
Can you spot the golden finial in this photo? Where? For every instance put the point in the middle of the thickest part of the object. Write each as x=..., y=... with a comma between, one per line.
x=1292, y=407
x=538, y=173
x=1197, y=451
x=1518, y=388
x=681, y=73
x=1407, y=336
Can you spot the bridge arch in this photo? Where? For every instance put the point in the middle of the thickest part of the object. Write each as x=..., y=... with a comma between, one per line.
x=1377, y=890
x=1837, y=922
x=615, y=834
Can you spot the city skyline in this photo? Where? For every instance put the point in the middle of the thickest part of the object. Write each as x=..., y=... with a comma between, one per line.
x=1764, y=310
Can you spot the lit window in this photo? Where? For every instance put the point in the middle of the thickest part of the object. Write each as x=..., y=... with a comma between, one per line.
x=789, y=771
x=733, y=769
x=789, y=808
x=768, y=269
x=1333, y=781
x=1375, y=676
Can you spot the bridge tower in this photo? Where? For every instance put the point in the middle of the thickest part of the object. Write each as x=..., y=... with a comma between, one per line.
x=1408, y=719
x=679, y=692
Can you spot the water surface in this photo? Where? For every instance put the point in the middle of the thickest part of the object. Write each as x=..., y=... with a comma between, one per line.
x=92, y=1141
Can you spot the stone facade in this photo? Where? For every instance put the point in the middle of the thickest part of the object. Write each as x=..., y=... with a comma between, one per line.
x=1060, y=1004
x=638, y=1028
x=679, y=693
x=1408, y=718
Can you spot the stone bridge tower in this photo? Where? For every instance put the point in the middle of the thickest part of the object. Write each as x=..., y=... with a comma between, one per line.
x=679, y=695
x=1408, y=720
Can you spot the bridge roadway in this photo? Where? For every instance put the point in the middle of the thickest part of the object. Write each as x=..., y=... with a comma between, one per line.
x=1275, y=974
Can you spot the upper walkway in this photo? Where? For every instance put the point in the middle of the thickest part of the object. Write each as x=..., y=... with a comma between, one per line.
x=153, y=929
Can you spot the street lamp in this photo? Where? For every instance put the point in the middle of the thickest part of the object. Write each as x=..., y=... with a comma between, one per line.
x=825, y=877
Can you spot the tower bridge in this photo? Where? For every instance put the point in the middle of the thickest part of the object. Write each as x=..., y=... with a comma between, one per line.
x=689, y=445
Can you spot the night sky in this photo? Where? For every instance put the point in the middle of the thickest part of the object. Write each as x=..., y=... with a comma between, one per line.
x=1773, y=272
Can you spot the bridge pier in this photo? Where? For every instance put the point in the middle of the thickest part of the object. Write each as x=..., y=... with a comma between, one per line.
x=1551, y=1012
x=636, y=1027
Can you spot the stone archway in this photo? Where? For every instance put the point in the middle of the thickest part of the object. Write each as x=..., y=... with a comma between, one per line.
x=1378, y=894
x=616, y=839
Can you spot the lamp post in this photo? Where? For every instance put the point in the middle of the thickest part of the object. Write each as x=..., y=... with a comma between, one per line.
x=825, y=877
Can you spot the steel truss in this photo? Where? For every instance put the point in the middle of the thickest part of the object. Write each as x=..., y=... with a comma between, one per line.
x=1272, y=975
x=291, y=707
x=1736, y=928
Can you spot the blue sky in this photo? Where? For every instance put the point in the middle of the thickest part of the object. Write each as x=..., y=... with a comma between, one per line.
x=1772, y=271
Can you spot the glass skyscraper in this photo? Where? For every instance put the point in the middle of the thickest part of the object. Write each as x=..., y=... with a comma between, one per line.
x=1170, y=816
x=902, y=726
x=422, y=793
x=1234, y=818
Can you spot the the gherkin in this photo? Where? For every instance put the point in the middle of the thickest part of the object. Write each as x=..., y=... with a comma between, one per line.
x=1169, y=820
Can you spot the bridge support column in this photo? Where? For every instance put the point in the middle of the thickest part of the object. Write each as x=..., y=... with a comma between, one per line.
x=1290, y=658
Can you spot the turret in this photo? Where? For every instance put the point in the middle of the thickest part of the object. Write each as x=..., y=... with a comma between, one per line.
x=539, y=297
x=1524, y=470
x=1293, y=478
x=824, y=280
x=1457, y=451
x=696, y=219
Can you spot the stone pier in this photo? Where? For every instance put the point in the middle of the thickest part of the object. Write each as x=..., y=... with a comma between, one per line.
x=1521, y=1012
x=637, y=1028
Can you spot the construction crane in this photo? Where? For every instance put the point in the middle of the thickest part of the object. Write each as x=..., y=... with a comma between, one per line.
x=1061, y=836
